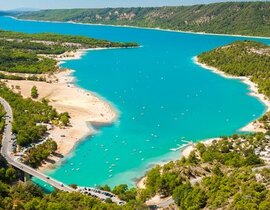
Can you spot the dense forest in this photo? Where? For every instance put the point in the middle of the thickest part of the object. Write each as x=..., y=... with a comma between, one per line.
x=242, y=58
x=245, y=18
x=24, y=53
x=67, y=41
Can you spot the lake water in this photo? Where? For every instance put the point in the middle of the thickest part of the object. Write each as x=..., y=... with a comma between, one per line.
x=163, y=98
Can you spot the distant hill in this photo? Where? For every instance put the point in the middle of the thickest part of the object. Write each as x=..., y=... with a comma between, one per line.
x=3, y=13
x=25, y=10
x=245, y=18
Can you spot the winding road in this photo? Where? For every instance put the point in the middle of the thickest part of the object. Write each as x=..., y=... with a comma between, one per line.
x=6, y=151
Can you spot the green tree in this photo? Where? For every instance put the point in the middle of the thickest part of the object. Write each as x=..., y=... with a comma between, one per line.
x=181, y=193
x=34, y=92
x=120, y=189
x=64, y=118
x=153, y=179
x=10, y=174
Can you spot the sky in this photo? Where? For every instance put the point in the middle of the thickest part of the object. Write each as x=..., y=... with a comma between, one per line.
x=58, y=4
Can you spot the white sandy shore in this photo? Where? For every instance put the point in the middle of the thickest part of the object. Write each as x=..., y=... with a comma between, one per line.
x=78, y=54
x=85, y=108
x=252, y=126
x=183, y=153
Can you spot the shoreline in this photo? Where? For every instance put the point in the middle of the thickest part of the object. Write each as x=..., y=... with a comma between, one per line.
x=146, y=28
x=252, y=86
x=86, y=109
x=253, y=91
x=250, y=127
x=184, y=152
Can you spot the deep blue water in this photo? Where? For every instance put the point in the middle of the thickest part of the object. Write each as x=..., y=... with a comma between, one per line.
x=162, y=97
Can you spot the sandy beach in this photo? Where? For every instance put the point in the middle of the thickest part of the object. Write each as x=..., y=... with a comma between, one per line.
x=253, y=88
x=85, y=108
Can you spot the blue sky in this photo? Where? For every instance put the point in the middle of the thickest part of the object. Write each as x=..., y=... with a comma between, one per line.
x=42, y=4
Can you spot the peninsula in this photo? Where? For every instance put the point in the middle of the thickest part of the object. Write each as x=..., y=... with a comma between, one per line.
x=248, y=61
x=58, y=111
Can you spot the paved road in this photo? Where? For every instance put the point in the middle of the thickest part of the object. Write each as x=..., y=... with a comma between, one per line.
x=166, y=203
x=6, y=151
x=260, y=168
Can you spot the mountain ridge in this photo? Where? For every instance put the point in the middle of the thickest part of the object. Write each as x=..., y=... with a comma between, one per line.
x=237, y=18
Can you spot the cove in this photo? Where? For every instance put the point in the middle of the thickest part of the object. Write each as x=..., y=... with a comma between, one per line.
x=163, y=99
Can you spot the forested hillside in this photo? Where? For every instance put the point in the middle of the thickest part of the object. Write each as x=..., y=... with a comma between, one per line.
x=24, y=53
x=218, y=176
x=245, y=18
x=242, y=58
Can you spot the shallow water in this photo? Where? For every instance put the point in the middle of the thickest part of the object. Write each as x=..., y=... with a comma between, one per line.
x=164, y=99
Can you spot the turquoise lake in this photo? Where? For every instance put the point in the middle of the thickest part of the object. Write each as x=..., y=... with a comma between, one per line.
x=161, y=95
